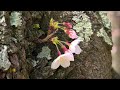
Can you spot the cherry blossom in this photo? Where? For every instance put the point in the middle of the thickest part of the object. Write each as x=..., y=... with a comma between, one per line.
x=74, y=47
x=71, y=33
x=63, y=60
x=67, y=24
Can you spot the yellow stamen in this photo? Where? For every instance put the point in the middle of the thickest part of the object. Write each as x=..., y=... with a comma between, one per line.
x=54, y=24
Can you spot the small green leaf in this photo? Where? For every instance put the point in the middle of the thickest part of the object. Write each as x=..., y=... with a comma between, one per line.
x=36, y=26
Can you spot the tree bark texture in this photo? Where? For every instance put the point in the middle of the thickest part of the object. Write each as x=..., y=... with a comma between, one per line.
x=93, y=63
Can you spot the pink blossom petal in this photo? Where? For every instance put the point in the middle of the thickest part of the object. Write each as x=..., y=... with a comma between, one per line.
x=75, y=49
x=72, y=48
x=56, y=63
x=67, y=24
x=75, y=42
x=65, y=63
x=78, y=50
x=68, y=52
x=69, y=55
x=72, y=34
x=63, y=60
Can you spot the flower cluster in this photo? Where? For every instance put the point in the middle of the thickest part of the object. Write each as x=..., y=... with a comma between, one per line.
x=65, y=58
x=66, y=26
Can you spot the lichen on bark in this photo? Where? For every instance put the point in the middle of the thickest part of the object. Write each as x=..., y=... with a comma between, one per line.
x=4, y=61
x=45, y=53
x=105, y=20
x=16, y=19
x=83, y=26
x=106, y=28
x=102, y=33
x=93, y=63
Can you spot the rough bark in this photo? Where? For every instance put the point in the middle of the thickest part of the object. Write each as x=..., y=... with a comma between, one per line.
x=93, y=63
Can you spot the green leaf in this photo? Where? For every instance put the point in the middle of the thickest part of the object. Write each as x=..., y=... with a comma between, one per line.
x=36, y=26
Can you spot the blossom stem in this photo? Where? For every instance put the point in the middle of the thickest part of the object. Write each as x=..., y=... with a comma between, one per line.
x=60, y=23
x=62, y=28
x=60, y=43
x=59, y=53
x=66, y=43
x=63, y=47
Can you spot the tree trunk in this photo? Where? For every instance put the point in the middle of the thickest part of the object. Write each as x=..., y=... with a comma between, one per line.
x=93, y=63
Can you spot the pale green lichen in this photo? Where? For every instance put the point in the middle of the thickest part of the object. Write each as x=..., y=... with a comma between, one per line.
x=83, y=26
x=102, y=33
x=34, y=63
x=105, y=19
x=106, y=23
x=45, y=53
x=4, y=61
x=14, y=39
x=15, y=19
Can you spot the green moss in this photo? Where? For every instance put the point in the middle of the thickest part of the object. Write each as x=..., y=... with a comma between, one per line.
x=105, y=36
x=83, y=27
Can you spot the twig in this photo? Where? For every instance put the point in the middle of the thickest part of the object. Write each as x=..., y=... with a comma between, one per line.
x=46, y=38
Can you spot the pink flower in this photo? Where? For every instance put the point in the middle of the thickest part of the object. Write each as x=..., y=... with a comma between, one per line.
x=67, y=24
x=74, y=47
x=63, y=60
x=71, y=33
